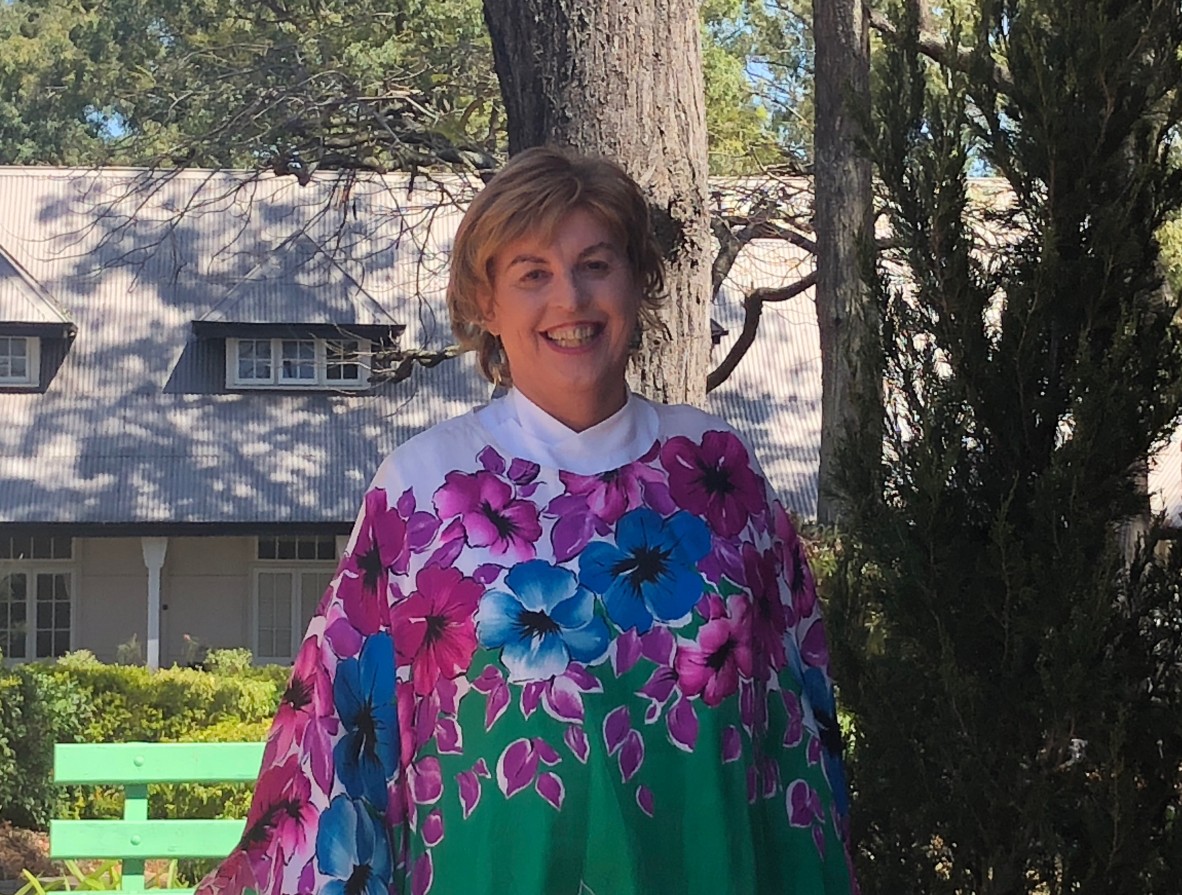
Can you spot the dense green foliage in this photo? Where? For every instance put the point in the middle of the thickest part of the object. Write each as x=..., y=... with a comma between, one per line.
x=1015, y=683
x=223, y=83
x=376, y=84
x=82, y=700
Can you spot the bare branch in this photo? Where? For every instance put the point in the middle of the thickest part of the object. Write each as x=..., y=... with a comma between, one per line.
x=752, y=311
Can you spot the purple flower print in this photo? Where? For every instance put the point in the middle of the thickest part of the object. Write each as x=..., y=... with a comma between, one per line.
x=379, y=544
x=305, y=720
x=711, y=667
x=280, y=813
x=770, y=617
x=490, y=515
x=796, y=568
x=714, y=480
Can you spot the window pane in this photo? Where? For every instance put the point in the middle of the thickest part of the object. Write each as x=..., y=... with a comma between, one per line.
x=326, y=548
x=61, y=615
x=19, y=348
x=313, y=586
x=305, y=548
x=63, y=548
x=43, y=547
x=44, y=644
x=285, y=548
x=299, y=361
x=5, y=548
x=19, y=368
x=343, y=359
x=61, y=644
x=254, y=360
x=44, y=616
x=266, y=548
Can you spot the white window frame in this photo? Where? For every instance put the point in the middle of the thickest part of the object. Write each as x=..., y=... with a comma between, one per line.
x=319, y=381
x=31, y=568
x=297, y=568
x=32, y=362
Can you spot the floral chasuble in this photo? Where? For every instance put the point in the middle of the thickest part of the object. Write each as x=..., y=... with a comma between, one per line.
x=526, y=681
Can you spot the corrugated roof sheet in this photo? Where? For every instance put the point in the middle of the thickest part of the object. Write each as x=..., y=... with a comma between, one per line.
x=22, y=298
x=135, y=424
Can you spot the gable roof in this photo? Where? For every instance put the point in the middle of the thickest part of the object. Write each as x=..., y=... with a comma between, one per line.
x=25, y=301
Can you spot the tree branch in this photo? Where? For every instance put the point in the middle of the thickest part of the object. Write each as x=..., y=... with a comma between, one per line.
x=961, y=59
x=752, y=311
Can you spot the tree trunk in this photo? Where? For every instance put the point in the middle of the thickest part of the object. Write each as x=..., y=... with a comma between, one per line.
x=623, y=79
x=843, y=224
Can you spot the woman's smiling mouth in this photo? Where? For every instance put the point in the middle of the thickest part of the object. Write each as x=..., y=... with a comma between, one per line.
x=573, y=335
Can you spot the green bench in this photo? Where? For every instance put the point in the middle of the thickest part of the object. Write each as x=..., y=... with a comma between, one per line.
x=136, y=838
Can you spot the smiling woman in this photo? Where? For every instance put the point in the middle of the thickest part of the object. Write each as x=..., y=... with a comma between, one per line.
x=574, y=645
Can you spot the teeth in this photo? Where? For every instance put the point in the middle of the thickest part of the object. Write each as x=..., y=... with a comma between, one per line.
x=573, y=336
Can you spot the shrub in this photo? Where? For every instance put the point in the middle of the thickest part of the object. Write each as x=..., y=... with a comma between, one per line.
x=37, y=710
x=228, y=661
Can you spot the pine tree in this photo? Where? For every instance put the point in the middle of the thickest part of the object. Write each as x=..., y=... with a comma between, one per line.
x=1015, y=685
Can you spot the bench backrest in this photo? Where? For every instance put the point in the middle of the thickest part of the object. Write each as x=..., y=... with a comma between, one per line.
x=136, y=837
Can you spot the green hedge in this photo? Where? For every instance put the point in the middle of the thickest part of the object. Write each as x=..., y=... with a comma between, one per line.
x=83, y=700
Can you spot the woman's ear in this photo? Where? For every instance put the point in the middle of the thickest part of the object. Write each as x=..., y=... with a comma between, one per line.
x=488, y=314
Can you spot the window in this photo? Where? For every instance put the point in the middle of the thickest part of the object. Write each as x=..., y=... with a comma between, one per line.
x=36, y=597
x=20, y=360
x=288, y=585
x=297, y=363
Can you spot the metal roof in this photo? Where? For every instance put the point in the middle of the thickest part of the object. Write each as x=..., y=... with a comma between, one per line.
x=135, y=424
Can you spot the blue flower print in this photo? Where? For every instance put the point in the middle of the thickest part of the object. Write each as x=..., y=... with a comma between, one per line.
x=366, y=757
x=352, y=848
x=544, y=622
x=650, y=572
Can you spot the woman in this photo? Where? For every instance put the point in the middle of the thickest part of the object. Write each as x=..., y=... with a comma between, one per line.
x=574, y=645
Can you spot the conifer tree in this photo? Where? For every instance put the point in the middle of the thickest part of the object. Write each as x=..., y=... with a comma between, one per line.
x=1015, y=686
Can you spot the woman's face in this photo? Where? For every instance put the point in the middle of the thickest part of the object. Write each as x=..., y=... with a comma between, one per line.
x=566, y=310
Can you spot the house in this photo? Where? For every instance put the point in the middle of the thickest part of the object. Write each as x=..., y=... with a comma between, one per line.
x=200, y=372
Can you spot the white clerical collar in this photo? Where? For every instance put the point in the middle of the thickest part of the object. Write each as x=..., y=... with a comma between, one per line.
x=522, y=429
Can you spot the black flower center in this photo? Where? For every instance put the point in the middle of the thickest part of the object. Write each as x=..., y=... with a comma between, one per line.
x=370, y=564
x=716, y=480
x=644, y=566
x=358, y=879
x=298, y=694
x=718, y=658
x=536, y=624
x=610, y=476
x=502, y=523
x=436, y=625
x=367, y=733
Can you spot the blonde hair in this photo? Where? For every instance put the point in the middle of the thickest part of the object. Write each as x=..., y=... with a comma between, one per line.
x=532, y=194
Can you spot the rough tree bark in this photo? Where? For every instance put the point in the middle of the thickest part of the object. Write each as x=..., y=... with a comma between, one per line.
x=623, y=79
x=843, y=223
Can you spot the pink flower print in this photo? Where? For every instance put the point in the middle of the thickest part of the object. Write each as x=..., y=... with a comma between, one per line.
x=517, y=766
x=804, y=810
x=770, y=618
x=490, y=515
x=379, y=544
x=308, y=698
x=434, y=628
x=609, y=495
x=795, y=566
x=281, y=813
x=711, y=667
x=714, y=480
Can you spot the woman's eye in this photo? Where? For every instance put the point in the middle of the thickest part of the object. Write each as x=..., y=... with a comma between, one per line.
x=533, y=276
x=598, y=266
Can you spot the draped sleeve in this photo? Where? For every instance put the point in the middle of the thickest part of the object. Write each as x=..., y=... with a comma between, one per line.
x=324, y=809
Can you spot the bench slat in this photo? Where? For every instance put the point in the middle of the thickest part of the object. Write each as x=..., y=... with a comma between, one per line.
x=123, y=763
x=143, y=839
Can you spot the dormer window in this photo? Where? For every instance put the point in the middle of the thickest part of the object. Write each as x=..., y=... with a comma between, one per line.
x=20, y=360
x=298, y=363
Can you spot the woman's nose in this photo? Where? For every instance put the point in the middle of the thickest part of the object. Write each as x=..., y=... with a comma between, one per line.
x=572, y=290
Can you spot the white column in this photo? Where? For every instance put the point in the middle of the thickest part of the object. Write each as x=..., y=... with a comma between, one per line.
x=154, y=552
